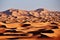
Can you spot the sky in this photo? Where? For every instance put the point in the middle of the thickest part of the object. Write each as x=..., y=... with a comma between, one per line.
x=30, y=4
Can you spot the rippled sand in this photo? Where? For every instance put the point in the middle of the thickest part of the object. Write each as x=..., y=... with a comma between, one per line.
x=18, y=38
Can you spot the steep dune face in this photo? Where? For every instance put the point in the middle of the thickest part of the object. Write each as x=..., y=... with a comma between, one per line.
x=40, y=22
